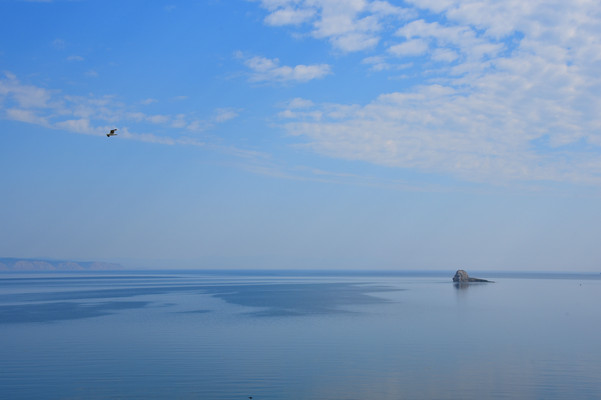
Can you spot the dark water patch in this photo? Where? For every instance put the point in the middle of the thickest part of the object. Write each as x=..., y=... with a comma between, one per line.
x=60, y=311
x=277, y=313
x=33, y=277
x=299, y=299
x=194, y=312
x=98, y=293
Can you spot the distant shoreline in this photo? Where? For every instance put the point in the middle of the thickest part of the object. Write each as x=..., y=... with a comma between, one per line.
x=47, y=265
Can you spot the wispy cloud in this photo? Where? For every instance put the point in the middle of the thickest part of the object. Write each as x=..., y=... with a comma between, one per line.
x=288, y=15
x=349, y=25
x=269, y=70
x=24, y=96
x=225, y=114
x=59, y=44
x=148, y=101
x=412, y=47
x=29, y=116
x=441, y=130
x=92, y=115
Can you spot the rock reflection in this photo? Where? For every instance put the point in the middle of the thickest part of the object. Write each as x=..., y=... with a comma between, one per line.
x=461, y=286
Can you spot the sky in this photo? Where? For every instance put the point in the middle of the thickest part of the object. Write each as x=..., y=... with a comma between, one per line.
x=319, y=134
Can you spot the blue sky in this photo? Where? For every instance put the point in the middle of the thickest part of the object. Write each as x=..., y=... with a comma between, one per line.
x=432, y=134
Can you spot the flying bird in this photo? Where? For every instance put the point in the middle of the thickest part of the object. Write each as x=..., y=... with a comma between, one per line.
x=111, y=133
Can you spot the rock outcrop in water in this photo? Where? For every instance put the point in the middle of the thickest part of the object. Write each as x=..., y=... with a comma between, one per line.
x=462, y=277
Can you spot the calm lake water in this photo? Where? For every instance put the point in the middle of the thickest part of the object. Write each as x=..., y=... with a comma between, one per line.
x=203, y=335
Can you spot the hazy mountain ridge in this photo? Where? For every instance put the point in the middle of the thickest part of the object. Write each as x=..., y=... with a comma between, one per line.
x=27, y=264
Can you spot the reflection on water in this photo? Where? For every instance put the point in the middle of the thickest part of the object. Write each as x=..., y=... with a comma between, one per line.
x=197, y=336
x=467, y=285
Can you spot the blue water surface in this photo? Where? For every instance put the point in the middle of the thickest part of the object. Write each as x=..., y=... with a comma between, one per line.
x=298, y=335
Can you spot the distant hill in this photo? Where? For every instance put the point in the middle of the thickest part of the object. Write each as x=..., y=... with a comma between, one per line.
x=26, y=264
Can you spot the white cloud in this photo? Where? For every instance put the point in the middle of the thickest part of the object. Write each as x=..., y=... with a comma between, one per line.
x=59, y=44
x=81, y=125
x=149, y=101
x=297, y=108
x=179, y=121
x=265, y=70
x=378, y=63
x=224, y=115
x=300, y=103
x=444, y=55
x=289, y=16
x=509, y=90
x=414, y=47
x=354, y=41
x=26, y=96
x=147, y=137
x=158, y=119
x=381, y=64
x=197, y=125
x=93, y=115
x=349, y=25
x=452, y=42
x=28, y=116
x=475, y=136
